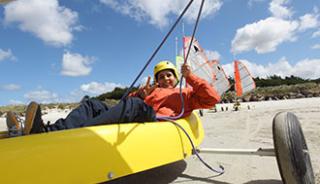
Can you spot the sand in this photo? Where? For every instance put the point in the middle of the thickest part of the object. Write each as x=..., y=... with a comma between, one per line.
x=252, y=129
x=243, y=129
x=246, y=128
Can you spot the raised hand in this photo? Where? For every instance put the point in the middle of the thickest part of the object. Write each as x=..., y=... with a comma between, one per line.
x=185, y=70
x=146, y=89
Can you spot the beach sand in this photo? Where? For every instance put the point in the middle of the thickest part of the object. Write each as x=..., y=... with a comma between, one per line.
x=253, y=129
x=243, y=129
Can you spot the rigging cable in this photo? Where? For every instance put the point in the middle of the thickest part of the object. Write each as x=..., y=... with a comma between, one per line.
x=158, y=48
x=185, y=60
x=220, y=171
x=171, y=119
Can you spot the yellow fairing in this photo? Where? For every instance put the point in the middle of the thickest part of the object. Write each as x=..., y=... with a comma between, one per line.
x=96, y=154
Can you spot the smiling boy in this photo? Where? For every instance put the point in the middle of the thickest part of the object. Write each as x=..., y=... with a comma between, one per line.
x=149, y=102
x=164, y=97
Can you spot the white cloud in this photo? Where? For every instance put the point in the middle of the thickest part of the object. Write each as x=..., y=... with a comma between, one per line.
x=316, y=34
x=144, y=80
x=6, y=55
x=308, y=21
x=46, y=19
x=157, y=12
x=212, y=55
x=279, y=10
x=264, y=36
x=15, y=102
x=252, y=2
x=11, y=87
x=316, y=46
x=99, y=88
x=76, y=95
x=307, y=68
x=41, y=96
x=74, y=64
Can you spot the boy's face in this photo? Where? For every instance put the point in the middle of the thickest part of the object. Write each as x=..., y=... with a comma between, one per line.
x=166, y=79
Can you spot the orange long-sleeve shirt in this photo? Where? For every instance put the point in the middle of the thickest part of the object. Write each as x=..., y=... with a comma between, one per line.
x=167, y=102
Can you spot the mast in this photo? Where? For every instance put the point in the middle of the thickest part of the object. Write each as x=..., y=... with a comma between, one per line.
x=183, y=33
x=176, y=46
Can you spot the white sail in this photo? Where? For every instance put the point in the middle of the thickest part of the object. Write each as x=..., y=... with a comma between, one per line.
x=244, y=82
x=219, y=80
x=211, y=71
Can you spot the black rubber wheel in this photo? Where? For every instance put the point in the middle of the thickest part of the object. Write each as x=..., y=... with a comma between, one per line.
x=291, y=150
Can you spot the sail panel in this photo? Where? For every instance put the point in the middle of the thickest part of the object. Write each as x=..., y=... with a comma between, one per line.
x=211, y=71
x=244, y=82
x=219, y=79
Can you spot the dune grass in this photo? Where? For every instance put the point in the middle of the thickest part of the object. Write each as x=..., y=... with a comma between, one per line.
x=20, y=109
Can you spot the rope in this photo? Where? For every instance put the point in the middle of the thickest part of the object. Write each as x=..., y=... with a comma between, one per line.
x=219, y=170
x=158, y=48
x=170, y=119
x=185, y=60
x=194, y=30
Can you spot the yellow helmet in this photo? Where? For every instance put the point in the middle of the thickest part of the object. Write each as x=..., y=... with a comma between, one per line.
x=165, y=65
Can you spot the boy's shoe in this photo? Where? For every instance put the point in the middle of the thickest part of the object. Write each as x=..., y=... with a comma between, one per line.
x=12, y=121
x=33, y=123
x=13, y=124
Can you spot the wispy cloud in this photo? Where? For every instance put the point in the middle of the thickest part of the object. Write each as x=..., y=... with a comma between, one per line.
x=47, y=20
x=15, y=102
x=316, y=34
x=279, y=9
x=144, y=80
x=98, y=88
x=316, y=46
x=6, y=55
x=212, y=55
x=10, y=87
x=307, y=68
x=309, y=21
x=42, y=96
x=74, y=64
x=157, y=12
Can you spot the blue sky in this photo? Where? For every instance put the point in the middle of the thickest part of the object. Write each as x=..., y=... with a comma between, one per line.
x=58, y=51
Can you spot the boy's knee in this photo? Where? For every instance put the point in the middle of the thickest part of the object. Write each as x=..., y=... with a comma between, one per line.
x=134, y=101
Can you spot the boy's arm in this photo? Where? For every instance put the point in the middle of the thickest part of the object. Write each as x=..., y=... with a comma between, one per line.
x=202, y=94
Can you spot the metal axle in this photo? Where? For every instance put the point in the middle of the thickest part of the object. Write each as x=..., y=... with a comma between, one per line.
x=259, y=151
